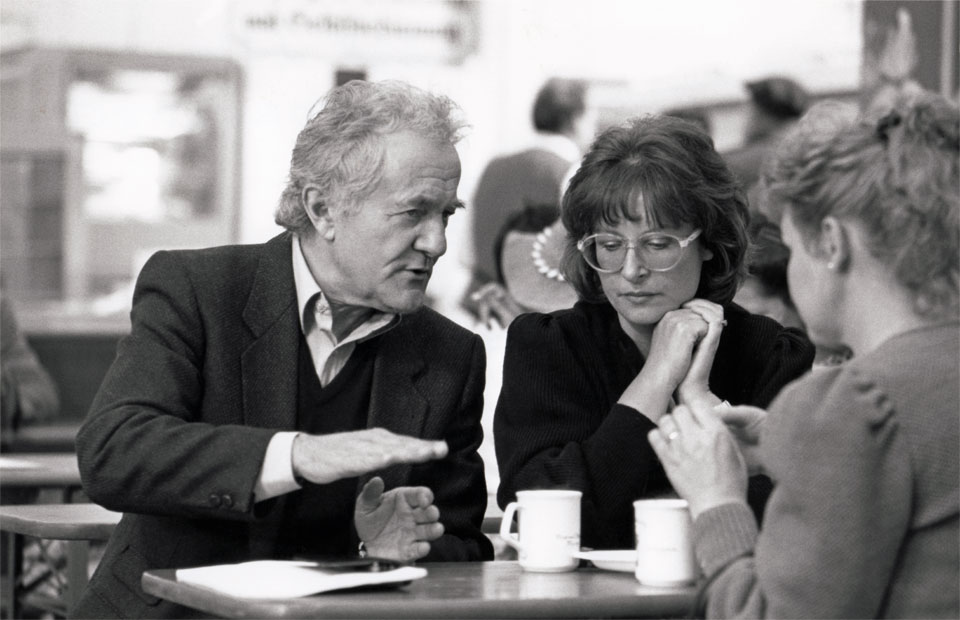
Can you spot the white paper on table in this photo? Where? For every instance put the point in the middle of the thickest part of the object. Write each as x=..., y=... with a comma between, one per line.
x=288, y=578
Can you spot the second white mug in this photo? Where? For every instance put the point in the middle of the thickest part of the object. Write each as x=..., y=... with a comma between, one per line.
x=549, y=529
x=664, y=542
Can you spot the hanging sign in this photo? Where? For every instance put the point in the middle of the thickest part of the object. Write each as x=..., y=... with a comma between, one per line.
x=367, y=30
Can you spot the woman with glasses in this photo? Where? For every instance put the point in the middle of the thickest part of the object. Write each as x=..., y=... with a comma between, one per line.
x=864, y=521
x=657, y=235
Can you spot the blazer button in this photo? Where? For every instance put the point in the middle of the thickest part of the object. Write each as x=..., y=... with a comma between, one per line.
x=214, y=500
x=227, y=501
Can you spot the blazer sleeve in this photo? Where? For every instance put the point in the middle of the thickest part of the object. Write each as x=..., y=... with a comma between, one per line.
x=555, y=427
x=836, y=520
x=145, y=447
x=458, y=482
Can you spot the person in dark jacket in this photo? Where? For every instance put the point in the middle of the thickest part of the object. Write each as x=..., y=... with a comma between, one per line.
x=295, y=398
x=776, y=103
x=656, y=241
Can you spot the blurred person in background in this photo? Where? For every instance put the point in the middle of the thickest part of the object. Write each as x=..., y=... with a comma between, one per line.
x=533, y=178
x=864, y=520
x=699, y=116
x=295, y=398
x=529, y=251
x=765, y=291
x=28, y=392
x=775, y=105
x=655, y=248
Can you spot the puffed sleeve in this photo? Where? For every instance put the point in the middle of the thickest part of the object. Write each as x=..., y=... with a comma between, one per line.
x=555, y=427
x=836, y=518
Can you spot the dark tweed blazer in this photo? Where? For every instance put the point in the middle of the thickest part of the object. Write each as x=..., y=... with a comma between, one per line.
x=176, y=435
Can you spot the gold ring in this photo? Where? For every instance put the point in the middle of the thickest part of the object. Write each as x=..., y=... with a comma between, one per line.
x=672, y=435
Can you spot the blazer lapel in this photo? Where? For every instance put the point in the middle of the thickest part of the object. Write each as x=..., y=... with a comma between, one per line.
x=396, y=400
x=269, y=364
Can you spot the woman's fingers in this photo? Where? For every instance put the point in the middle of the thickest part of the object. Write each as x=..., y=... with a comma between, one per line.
x=685, y=420
x=660, y=444
x=702, y=414
x=742, y=416
x=710, y=311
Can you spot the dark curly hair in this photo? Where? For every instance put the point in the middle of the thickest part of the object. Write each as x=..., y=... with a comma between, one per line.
x=672, y=164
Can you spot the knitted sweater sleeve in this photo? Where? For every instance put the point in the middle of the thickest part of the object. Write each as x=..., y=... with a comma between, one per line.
x=836, y=518
x=555, y=427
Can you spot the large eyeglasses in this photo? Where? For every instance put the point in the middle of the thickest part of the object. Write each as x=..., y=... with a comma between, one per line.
x=657, y=251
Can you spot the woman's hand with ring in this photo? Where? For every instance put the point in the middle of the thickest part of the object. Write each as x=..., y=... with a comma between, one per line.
x=700, y=457
x=668, y=428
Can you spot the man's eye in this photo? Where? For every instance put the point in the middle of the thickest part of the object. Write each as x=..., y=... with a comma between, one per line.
x=446, y=216
x=413, y=214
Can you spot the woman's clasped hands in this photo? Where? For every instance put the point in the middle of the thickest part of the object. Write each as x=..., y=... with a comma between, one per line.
x=682, y=348
x=695, y=384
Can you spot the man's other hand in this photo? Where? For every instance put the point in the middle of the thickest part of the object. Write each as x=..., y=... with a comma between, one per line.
x=399, y=524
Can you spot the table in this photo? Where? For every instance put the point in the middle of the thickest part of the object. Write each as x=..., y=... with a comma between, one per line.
x=44, y=437
x=75, y=523
x=36, y=470
x=453, y=590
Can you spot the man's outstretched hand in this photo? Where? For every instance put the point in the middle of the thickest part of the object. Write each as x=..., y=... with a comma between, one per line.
x=325, y=458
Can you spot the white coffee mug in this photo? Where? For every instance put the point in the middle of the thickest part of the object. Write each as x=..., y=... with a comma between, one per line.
x=549, y=529
x=664, y=542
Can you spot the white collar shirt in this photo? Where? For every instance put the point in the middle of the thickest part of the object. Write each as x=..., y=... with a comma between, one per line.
x=329, y=357
x=316, y=322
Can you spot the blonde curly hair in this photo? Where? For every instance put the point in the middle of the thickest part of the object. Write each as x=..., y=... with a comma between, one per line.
x=896, y=173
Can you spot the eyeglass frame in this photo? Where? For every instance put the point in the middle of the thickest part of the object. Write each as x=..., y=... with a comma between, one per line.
x=632, y=245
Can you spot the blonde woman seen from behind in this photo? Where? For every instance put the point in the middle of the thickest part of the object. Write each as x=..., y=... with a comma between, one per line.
x=863, y=520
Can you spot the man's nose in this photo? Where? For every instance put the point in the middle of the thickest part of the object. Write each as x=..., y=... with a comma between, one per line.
x=432, y=239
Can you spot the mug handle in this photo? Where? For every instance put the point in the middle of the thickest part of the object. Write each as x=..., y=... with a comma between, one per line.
x=513, y=540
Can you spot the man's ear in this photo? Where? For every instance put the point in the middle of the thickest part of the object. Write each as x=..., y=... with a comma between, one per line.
x=834, y=244
x=318, y=210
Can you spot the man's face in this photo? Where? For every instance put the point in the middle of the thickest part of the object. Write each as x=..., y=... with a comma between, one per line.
x=385, y=247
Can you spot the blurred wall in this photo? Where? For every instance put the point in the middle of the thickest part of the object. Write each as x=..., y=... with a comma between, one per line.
x=643, y=56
